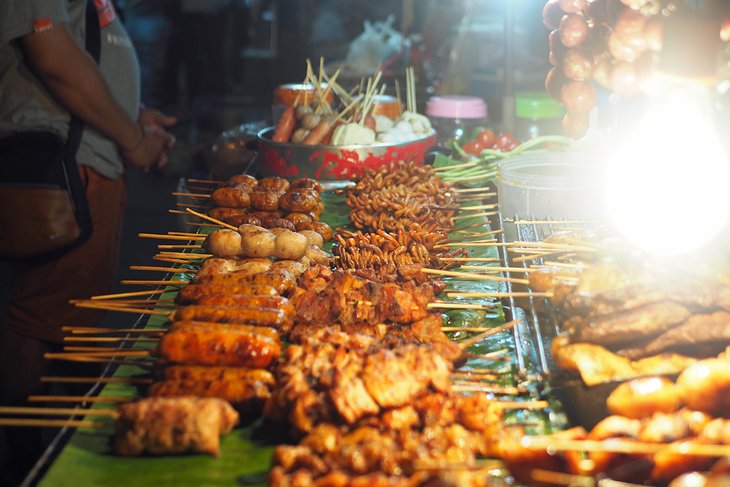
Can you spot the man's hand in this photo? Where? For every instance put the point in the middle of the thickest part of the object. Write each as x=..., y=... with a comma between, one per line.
x=151, y=149
x=158, y=121
x=155, y=118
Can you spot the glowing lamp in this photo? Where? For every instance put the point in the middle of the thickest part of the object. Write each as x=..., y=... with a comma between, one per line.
x=667, y=186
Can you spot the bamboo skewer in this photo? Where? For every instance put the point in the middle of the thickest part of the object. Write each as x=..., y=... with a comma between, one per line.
x=485, y=243
x=498, y=268
x=498, y=295
x=206, y=181
x=183, y=255
x=170, y=260
x=472, y=190
x=210, y=219
x=144, y=282
x=541, y=255
x=108, y=339
x=476, y=277
x=617, y=445
x=58, y=411
x=116, y=352
x=475, y=329
x=469, y=259
x=129, y=294
x=98, y=360
x=479, y=207
x=444, y=305
x=478, y=234
x=193, y=195
x=475, y=215
x=88, y=329
x=174, y=247
x=53, y=423
x=80, y=399
x=161, y=269
x=121, y=309
x=171, y=237
x=491, y=332
x=94, y=380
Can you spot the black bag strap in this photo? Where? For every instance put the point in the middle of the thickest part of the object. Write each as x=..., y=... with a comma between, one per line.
x=77, y=192
x=93, y=47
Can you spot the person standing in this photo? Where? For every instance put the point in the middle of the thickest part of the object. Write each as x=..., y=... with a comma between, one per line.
x=46, y=76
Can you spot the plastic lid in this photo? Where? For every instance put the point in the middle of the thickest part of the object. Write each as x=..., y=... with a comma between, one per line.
x=453, y=106
x=537, y=105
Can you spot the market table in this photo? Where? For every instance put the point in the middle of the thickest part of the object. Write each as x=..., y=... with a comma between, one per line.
x=84, y=456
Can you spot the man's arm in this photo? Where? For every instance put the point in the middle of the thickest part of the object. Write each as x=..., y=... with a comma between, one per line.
x=73, y=78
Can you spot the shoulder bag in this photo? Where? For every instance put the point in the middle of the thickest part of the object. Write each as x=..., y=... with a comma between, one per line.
x=43, y=207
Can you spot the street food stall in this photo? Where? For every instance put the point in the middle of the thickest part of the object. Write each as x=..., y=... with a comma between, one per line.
x=377, y=302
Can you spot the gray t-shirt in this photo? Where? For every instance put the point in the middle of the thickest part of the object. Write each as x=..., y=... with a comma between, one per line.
x=24, y=102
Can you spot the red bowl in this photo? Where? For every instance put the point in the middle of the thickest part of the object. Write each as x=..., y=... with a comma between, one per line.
x=332, y=161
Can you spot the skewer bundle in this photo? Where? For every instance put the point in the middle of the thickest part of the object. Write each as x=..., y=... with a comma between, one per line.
x=398, y=196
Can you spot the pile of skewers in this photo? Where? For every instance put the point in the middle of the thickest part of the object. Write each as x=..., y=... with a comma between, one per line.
x=352, y=123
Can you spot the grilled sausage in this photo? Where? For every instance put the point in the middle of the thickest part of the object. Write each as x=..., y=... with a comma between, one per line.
x=282, y=281
x=230, y=328
x=274, y=318
x=202, y=373
x=274, y=183
x=299, y=200
x=297, y=217
x=265, y=200
x=193, y=292
x=323, y=229
x=243, y=179
x=219, y=347
x=274, y=222
x=223, y=213
x=243, y=301
x=306, y=183
x=231, y=197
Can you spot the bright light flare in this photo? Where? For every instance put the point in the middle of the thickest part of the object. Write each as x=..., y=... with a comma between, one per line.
x=667, y=186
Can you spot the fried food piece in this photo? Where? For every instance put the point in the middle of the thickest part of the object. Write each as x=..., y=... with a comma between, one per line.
x=642, y=397
x=705, y=386
x=172, y=426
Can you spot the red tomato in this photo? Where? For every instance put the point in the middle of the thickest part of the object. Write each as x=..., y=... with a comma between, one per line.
x=472, y=147
x=486, y=138
x=504, y=141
